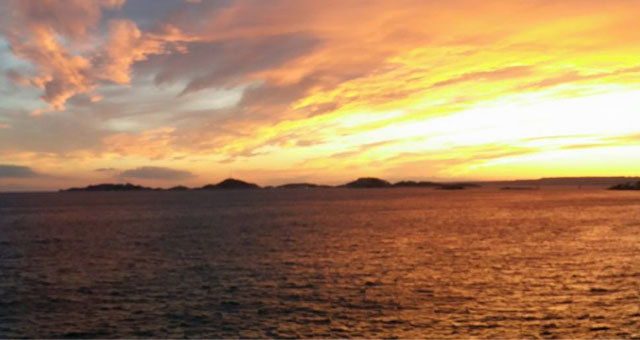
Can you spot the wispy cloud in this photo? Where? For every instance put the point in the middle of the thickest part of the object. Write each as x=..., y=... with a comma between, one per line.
x=499, y=74
x=106, y=170
x=154, y=172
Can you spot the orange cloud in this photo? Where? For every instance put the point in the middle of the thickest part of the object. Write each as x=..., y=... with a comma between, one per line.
x=124, y=47
x=152, y=144
x=57, y=37
x=61, y=74
x=127, y=45
x=32, y=30
x=73, y=18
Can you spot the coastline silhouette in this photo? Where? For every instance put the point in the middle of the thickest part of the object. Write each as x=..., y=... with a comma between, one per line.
x=612, y=183
x=626, y=186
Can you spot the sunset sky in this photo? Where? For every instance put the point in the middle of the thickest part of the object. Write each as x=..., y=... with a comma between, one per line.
x=167, y=92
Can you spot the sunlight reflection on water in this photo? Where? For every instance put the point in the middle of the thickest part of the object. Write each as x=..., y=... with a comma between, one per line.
x=321, y=263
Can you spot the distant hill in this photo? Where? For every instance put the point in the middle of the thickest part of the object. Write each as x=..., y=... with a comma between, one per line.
x=411, y=184
x=110, y=187
x=567, y=181
x=451, y=187
x=371, y=182
x=442, y=186
x=178, y=188
x=231, y=183
x=301, y=186
x=367, y=182
x=519, y=188
x=614, y=183
x=626, y=186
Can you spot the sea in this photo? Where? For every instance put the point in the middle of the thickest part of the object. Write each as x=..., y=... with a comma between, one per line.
x=321, y=263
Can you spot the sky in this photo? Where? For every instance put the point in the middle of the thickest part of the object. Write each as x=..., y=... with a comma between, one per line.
x=167, y=92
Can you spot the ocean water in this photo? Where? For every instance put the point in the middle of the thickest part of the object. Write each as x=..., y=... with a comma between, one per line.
x=551, y=263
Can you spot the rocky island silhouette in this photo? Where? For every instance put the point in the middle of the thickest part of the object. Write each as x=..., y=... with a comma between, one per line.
x=231, y=183
x=111, y=187
x=236, y=184
x=626, y=186
x=367, y=182
x=377, y=183
x=301, y=186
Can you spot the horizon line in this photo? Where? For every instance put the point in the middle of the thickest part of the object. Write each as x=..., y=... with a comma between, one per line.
x=338, y=185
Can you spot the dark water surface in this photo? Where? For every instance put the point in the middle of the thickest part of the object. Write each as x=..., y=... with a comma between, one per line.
x=321, y=263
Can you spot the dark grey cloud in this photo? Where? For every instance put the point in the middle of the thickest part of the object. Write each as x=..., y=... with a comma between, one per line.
x=226, y=63
x=105, y=170
x=71, y=131
x=273, y=95
x=144, y=12
x=155, y=172
x=190, y=16
x=16, y=171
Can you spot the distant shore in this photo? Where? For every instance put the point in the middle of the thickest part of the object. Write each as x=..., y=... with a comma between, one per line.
x=236, y=184
x=613, y=183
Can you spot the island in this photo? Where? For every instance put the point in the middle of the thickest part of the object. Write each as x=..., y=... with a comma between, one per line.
x=626, y=186
x=111, y=187
x=228, y=183
x=579, y=182
x=236, y=184
x=415, y=184
x=231, y=183
x=519, y=188
x=302, y=186
x=178, y=188
x=451, y=187
x=441, y=186
x=367, y=183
